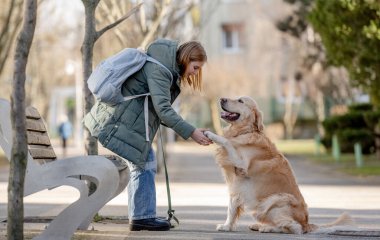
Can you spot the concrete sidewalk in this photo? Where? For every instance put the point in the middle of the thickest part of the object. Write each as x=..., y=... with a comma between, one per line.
x=199, y=197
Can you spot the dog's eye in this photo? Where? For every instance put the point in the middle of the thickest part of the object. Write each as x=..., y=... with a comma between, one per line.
x=240, y=101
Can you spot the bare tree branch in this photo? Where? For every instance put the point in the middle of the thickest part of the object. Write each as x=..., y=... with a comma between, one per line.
x=5, y=30
x=142, y=22
x=132, y=11
x=174, y=20
x=148, y=37
x=9, y=30
x=110, y=13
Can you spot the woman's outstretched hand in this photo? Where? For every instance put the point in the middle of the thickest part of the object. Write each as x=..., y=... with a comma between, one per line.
x=200, y=138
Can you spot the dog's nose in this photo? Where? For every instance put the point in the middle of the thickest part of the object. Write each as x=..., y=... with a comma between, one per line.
x=223, y=100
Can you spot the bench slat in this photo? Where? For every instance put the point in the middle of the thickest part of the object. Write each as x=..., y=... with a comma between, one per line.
x=38, y=138
x=35, y=125
x=42, y=152
x=32, y=113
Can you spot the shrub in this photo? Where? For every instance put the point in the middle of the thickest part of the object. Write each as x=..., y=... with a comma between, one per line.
x=360, y=107
x=348, y=137
x=372, y=118
x=330, y=125
x=354, y=126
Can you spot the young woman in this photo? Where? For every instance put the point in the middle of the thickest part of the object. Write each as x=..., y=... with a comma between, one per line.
x=128, y=132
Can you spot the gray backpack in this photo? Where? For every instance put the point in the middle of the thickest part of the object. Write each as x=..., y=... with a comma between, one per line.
x=106, y=80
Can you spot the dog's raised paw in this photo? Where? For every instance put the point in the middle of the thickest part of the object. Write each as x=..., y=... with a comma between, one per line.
x=215, y=138
x=210, y=135
x=223, y=228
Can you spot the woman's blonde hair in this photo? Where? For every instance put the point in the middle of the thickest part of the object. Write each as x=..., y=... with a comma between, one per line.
x=189, y=52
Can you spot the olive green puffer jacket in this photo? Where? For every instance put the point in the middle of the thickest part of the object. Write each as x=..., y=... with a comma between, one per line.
x=122, y=127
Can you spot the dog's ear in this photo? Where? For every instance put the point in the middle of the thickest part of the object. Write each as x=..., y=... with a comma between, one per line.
x=259, y=120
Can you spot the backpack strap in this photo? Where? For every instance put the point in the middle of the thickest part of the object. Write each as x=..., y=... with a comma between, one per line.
x=150, y=59
x=146, y=112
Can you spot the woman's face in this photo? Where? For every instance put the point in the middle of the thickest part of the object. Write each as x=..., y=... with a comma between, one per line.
x=193, y=68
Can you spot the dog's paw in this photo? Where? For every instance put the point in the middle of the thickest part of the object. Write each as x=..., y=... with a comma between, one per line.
x=269, y=229
x=241, y=172
x=254, y=227
x=224, y=228
x=215, y=138
x=210, y=135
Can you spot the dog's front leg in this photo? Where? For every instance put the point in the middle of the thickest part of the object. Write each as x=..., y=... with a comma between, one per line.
x=233, y=155
x=234, y=210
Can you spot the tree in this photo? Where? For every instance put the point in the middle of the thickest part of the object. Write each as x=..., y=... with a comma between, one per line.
x=350, y=32
x=90, y=37
x=325, y=85
x=19, y=146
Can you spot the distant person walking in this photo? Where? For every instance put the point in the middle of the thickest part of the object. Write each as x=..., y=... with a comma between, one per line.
x=65, y=131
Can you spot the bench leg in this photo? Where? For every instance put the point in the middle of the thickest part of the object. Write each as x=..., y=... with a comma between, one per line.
x=123, y=181
x=107, y=181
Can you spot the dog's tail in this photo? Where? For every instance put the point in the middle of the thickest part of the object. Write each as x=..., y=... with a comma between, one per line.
x=343, y=223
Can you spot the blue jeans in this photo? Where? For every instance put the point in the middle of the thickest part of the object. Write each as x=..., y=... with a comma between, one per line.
x=142, y=189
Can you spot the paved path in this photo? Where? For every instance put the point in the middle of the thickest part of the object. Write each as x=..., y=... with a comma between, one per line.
x=199, y=197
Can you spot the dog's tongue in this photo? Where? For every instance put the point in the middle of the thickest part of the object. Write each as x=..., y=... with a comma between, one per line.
x=227, y=114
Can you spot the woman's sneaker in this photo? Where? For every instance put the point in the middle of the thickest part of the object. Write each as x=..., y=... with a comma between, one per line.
x=150, y=224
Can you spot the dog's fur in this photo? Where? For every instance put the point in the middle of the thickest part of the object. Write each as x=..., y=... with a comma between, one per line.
x=259, y=178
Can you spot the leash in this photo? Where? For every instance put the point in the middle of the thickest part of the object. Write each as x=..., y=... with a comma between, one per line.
x=170, y=210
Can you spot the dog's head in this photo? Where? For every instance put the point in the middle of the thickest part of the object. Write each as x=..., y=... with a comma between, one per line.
x=242, y=111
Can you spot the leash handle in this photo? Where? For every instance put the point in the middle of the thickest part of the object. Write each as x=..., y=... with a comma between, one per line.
x=170, y=210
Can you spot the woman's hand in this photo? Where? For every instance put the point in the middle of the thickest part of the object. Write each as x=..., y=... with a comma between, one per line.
x=200, y=138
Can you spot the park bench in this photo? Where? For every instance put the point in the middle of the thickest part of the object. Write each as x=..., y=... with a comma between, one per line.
x=45, y=171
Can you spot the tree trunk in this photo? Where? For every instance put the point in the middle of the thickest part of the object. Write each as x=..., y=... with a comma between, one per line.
x=90, y=36
x=19, y=153
x=291, y=110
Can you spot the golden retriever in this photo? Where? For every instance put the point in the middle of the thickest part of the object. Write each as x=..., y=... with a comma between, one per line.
x=259, y=178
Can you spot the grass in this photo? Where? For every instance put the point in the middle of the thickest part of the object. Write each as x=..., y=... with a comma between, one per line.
x=347, y=163
x=298, y=147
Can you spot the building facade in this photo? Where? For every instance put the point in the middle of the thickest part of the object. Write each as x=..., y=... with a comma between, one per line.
x=242, y=40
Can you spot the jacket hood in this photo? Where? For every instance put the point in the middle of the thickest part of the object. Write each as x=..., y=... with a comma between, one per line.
x=165, y=51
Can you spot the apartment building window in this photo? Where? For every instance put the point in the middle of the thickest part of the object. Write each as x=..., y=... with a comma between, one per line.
x=232, y=37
